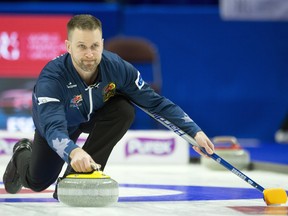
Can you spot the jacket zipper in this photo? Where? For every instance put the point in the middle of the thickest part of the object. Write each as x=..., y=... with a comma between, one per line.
x=89, y=88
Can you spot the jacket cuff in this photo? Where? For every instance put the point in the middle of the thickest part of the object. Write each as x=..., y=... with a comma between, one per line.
x=71, y=146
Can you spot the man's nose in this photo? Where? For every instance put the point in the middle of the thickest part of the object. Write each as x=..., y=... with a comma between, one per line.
x=89, y=53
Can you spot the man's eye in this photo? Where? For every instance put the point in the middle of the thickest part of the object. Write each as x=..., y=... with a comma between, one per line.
x=94, y=46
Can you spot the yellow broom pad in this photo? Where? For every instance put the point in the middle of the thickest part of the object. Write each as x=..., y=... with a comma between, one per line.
x=275, y=196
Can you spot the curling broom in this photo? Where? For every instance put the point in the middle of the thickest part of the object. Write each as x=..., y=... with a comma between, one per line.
x=272, y=196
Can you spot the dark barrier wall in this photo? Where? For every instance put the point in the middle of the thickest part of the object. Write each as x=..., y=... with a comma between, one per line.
x=230, y=77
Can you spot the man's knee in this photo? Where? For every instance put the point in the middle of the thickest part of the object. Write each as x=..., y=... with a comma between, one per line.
x=126, y=109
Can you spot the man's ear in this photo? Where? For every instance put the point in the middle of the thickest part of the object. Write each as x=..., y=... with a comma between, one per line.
x=68, y=46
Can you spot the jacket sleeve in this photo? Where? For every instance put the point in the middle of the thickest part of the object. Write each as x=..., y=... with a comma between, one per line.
x=139, y=92
x=49, y=116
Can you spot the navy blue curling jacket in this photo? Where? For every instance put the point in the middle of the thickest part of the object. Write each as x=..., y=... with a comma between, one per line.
x=62, y=101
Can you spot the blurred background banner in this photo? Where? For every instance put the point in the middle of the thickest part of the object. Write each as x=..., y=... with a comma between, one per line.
x=28, y=42
x=254, y=10
x=230, y=77
x=136, y=147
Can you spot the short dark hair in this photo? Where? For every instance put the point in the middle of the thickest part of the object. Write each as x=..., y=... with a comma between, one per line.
x=83, y=22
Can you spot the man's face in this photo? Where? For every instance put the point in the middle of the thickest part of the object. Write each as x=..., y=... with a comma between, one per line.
x=85, y=47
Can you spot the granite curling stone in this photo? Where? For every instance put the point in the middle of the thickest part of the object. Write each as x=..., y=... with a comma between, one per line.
x=88, y=190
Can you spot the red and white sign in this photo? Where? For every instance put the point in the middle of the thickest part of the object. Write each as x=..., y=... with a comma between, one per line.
x=27, y=43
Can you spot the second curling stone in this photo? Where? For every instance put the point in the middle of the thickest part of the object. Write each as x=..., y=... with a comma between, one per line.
x=228, y=148
x=88, y=190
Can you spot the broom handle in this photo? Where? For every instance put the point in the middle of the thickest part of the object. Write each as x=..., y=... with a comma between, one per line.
x=192, y=141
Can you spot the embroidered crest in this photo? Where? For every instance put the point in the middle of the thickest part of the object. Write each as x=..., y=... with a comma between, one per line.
x=76, y=101
x=109, y=91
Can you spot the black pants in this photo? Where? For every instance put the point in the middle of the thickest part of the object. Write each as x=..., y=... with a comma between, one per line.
x=41, y=168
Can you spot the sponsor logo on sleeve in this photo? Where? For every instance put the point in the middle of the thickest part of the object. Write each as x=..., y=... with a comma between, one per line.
x=43, y=100
x=186, y=118
x=139, y=81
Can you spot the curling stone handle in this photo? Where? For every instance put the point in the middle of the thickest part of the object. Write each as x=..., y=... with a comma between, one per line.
x=229, y=139
x=96, y=166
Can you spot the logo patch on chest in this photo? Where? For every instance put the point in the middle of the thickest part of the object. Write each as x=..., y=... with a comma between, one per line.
x=76, y=101
x=109, y=91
